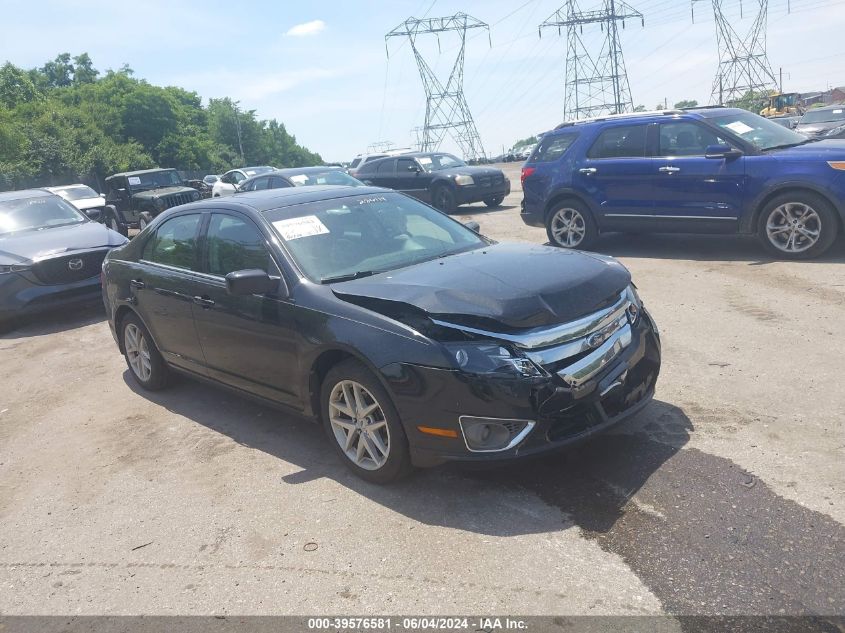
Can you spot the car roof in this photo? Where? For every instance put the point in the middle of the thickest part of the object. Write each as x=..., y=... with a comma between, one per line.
x=292, y=171
x=77, y=185
x=24, y=193
x=140, y=171
x=634, y=117
x=244, y=169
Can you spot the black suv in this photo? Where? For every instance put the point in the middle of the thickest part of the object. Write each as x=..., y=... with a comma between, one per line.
x=134, y=198
x=440, y=179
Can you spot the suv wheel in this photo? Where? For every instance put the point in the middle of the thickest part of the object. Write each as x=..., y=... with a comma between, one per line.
x=495, y=201
x=143, y=220
x=570, y=225
x=116, y=225
x=797, y=225
x=142, y=356
x=363, y=425
x=444, y=198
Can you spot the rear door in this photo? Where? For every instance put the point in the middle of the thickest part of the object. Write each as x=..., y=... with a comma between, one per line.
x=163, y=286
x=249, y=342
x=382, y=173
x=692, y=192
x=617, y=174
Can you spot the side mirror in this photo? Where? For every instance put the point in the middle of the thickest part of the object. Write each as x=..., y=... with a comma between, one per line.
x=472, y=225
x=93, y=214
x=414, y=168
x=725, y=152
x=250, y=282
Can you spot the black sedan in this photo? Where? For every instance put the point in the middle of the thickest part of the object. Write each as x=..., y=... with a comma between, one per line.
x=412, y=339
x=826, y=122
x=298, y=177
x=441, y=179
x=50, y=253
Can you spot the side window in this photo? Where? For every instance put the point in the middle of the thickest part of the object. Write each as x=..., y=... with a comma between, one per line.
x=406, y=166
x=367, y=168
x=620, y=141
x=685, y=139
x=175, y=243
x=260, y=183
x=385, y=167
x=553, y=147
x=237, y=177
x=277, y=182
x=235, y=244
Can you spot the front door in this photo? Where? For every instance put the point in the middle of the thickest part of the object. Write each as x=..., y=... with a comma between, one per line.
x=163, y=286
x=617, y=175
x=383, y=173
x=411, y=179
x=249, y=342
x=692, y=192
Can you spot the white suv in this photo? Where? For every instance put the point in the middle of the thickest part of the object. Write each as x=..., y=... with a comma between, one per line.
x=225, y=186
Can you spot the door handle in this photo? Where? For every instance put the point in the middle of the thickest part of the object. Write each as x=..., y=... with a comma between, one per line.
x=588, y=171
x=203, y=301
x=669, y=170
x=137, y=284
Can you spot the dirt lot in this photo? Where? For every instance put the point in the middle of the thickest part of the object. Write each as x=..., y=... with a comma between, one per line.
x=723, y=496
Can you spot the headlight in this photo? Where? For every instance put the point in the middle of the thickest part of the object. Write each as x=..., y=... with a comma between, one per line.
x=158, y=203
x=464, y=180
x=636, y=304
x=492, y=359
x=13, y=268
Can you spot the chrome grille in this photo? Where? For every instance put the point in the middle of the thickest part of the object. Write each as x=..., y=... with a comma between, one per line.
x=69, y=268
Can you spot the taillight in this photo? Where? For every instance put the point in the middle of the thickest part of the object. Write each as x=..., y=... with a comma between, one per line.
x=526, y=171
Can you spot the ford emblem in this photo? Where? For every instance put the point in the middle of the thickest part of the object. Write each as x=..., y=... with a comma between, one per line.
x=596, y=339
x=75, y=264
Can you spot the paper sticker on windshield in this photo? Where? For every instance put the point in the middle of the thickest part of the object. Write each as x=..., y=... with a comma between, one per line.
x=306, y=226
x=299, y=179
x=134, y=180
x=837, y=111
x=739, y=127
x=424, y=160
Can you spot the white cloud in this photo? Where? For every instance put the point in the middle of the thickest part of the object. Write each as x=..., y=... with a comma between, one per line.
x=306, y=28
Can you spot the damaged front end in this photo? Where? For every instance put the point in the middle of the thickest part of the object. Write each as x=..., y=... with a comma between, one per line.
x=514, y=392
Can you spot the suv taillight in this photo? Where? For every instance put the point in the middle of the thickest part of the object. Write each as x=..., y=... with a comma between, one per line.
x=526, y=171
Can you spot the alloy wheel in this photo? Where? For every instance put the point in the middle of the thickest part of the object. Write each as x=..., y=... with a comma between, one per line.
x=568, y=227
x=359, y=425
x=137, y=352
x=793, y=227
x=142, y=224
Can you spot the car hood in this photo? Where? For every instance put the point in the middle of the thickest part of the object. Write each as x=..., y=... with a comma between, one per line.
x=470, y=170
x=160, y=192
x=512, y=285
x=28, y=246
x=826, y=149
x=817, y=129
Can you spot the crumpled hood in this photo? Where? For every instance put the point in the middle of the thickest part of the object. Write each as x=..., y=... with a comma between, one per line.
x=817, y=129
x=161, y=192
x=88, y=203
x=516, y=285
x=27, y=246
x=471, y=170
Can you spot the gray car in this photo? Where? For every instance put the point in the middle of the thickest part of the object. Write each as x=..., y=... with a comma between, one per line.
x=827, y=122
x=50, y=253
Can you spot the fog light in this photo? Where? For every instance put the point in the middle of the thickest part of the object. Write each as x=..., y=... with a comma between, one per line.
x=493, y=434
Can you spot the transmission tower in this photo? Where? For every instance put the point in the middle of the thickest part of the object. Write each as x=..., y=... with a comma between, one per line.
x=744, y=70
x=595, y=85
x=446, y=109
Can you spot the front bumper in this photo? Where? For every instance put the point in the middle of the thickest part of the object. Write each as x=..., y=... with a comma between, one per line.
x=21, y=295
x=476, y=193
x=562, y=415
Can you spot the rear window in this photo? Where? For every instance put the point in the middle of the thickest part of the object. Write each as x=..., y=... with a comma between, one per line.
x=552, y=147
x=620, y=141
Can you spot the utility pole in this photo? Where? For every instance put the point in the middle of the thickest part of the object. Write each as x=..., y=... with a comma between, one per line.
x=237, y=114
x=596, y=84
x=446, y=109
x=744, y=70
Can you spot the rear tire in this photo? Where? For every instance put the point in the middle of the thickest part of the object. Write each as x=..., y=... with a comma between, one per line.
x=114, y=223
x=142, y=356
x=799, y=225
x=569, y=224
x=444, y=198
x=493, y=202
x=363, y=425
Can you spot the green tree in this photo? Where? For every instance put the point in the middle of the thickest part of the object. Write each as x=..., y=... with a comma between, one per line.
x=686, y=103
x=59, y=72
x=639, y=108
x=16, y=86
x=83, y=70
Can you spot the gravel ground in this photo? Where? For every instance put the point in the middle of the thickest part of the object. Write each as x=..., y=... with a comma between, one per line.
x=723, y=496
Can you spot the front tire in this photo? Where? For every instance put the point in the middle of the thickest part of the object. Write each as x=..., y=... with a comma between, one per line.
x=798, y=225
x=363, y=425
x=444, y=198
x=115, y=224
x=569, y=224
x=493, y=202
x=143, y=220
x=142, y=356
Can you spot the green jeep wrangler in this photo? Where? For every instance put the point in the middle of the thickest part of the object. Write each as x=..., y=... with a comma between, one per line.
x=134, y=198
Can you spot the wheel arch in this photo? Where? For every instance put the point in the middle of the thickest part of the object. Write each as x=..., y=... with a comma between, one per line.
x=767, y=197
x=323, y=363
x=120, y=314
x=563, y=195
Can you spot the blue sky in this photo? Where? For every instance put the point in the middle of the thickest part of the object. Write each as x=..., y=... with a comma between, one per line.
x=321, y=67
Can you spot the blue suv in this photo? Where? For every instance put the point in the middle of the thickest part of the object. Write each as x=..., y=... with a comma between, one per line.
x=708, y=170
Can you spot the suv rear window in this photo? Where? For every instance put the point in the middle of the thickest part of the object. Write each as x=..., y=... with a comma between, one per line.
x=552, y=147
x=620, y=141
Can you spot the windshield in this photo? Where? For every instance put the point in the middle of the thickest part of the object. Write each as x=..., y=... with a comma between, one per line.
x=76, y=193
x=365, y=234
x=760, y=132
x=436, y=162
x=210, y=180
x=328, y=177
x=155, y=179
x=354, y=163
x=824, y=116
x=42, y=212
